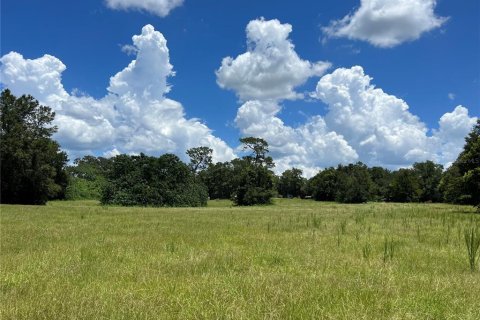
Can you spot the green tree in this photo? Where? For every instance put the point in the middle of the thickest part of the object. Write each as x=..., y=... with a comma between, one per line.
x=429, y=175
x=149, y=181
x=381, y=179
x=405, y=186
x=291, y=183
x=323, y=186
x=200, y=158
x=452, y=186
x=87, y=178
x=253, y=179
x=353, y=183
x=32, y=164
x=468, y=163
x=259, y=150
x=219, y=179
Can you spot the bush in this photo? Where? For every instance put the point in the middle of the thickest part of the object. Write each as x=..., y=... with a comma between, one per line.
x=150, y=181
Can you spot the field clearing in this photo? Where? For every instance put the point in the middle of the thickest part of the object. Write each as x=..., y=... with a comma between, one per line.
x=297, y=259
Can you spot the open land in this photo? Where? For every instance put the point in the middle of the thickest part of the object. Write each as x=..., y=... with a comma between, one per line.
x=296, y=259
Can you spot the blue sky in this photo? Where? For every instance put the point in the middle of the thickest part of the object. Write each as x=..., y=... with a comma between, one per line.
x=433, y=71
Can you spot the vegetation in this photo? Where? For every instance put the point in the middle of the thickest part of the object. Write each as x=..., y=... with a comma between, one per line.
x=87, y=178
x=32, y=165
x=33, y=171
x=252, y=177
x=461, y=182
x=472, y=240
x=296, y=259
x=149, y=181
x=292, y=184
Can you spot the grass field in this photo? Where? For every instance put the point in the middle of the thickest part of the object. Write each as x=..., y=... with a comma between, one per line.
x=294, y=260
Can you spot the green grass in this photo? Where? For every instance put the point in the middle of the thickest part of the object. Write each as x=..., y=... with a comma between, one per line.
x=293, y=260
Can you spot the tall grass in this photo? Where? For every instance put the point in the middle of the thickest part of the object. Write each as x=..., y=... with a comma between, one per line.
x=472, y=241
x=292, y=260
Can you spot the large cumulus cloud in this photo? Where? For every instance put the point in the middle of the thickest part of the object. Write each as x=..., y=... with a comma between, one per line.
x=135, y=116
x=362, y=123
x=270, y=69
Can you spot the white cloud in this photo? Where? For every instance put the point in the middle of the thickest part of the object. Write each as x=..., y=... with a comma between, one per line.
x=111, y=153
x=307, y=147
x=387, y=23
x=451, y=96
x=135, y=116
x=450, y=137
x=378, y=125
x=363, y=123
x=270, y=69
x=158, y=7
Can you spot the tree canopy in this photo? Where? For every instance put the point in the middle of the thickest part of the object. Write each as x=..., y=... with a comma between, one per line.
x=32, y=164
x=150, y=181
x=200, y=158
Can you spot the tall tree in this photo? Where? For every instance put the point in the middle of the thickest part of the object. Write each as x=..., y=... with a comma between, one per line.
x=200, y=158
x=253, y=179
x=32, y=164
x=259, y=149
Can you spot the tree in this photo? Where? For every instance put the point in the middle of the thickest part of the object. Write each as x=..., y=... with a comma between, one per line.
x=353, y=183
x=259, y=149
x=291, y=183
x=323, y=186
x=219, y=180
x=200, y=158
x=381, y=179
x=253, y=179
x=87, y=178
x=150, y=181
x=468, y=163
x=32, y=164
x=405, y=186
x=452, y=186
x=429, y=175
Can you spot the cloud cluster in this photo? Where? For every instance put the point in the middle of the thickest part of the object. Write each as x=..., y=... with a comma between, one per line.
x=363, y=123
x=135, y=116
x=158, y=7
x=270, y=69
x=387, y=23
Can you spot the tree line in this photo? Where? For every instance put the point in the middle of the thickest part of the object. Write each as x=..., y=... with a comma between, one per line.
x=35, y=170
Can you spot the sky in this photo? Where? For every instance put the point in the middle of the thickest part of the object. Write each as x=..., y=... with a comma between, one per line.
x=385, y=82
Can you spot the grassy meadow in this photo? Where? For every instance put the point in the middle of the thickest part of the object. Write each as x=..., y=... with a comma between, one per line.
x=297, y=259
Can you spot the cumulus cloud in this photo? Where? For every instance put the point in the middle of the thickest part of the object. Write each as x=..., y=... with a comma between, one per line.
x=363, y=123
x=270, y=69
x=378, y=125
x=307, y=147
x=387, y=23
x=450, y=137
x=158, y=7
x=135, y=116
